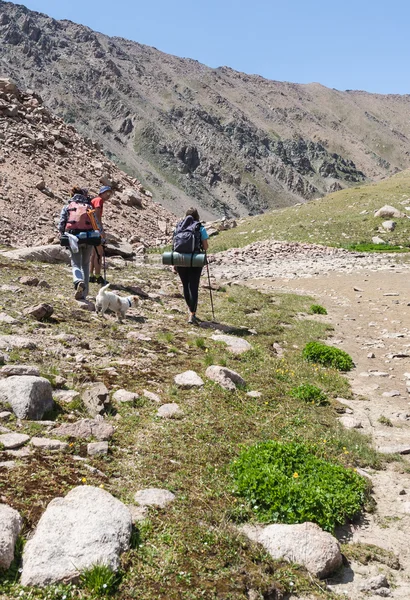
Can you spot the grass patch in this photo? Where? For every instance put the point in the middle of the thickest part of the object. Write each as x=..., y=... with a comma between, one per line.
x=310, y=394
x=316, y=309
x=385, y=421
x=367, y=247
x=100, y=580
x=368, y=553
x=288, y=483
x=328, y=356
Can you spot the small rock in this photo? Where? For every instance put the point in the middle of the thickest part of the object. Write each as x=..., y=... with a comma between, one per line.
x=389, y=225
x=66, y=396
x=29, y=397
x=48, y=444
x=21, y=453
x=9, y=370
x=235, y=344
x=375, y=583
x=97, y=448
x=170, y=411
x=138, y=513
x=391, y=394
x=154, y=497
x=8, y=464
x=96, y=399
x=350, y=423
x=85, y=429
x=10, y=441
x=398, y=449
x=18, y=342
x=10, y=527
x=5, y=415
x=278, y=350
x=31, y=281
x=39, y=311
x=188, y=379
x=226, y=378
x=125, y=396
x=378, y=240
x=254, y=394
x=4, y=318
x=151, y=396
x=371, y=355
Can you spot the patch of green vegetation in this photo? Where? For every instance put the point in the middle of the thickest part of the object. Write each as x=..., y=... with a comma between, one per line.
x=316, y=309
x=100, y=580
x=310, y=394
x=368, y=553
x=385, y=421
x=328, y=356
x=342, y=219
x=288, y=483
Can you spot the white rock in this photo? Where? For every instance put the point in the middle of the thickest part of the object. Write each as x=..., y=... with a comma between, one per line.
x=97, y=448
x=125, y=396
x=87, y=527
x=16, y=341
x=8, y=464
x=151, y=396
x=389, y=225
x=154, y=497
x=254, y=394
x=4, y=318
x=10, y=527
x=235, y=344
x=226, y=378
x=48, y=444
x=305, y=544
x=350, y=423
x=5, y=415
x=29, y=397
x=389, y=212
x=391, y=394
x=48, y=254
x=378, y=240
x=66, y=396
x=170, y=411
x=188, y=379
x=9, y=370
x=10, y=441
x=96, y=398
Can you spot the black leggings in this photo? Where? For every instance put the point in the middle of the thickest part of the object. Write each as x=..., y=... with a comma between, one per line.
x=190, y=277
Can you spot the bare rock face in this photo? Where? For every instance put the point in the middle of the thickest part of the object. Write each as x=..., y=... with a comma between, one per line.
x=87, y=527
x=305, y=544
x=10, y=527
x=226, y=378
x=29, y=397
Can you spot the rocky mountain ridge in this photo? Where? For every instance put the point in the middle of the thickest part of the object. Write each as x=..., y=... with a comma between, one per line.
x=42, y=158
x=235, y=143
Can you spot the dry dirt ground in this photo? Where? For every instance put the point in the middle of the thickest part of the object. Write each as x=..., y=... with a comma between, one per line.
x=370, y=313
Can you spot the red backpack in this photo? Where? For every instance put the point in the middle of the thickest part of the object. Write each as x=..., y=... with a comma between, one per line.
x=78, y=217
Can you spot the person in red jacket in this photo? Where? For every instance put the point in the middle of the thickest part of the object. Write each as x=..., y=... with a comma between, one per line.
x=96, y=257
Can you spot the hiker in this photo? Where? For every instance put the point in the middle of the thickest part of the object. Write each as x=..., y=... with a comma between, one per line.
x=96, y=257
x=75, y=220
x=190, y=236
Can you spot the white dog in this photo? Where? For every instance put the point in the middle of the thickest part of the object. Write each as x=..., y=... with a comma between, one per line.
x=114, y=302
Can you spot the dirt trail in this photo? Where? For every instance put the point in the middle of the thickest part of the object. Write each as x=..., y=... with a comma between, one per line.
x=370, y=313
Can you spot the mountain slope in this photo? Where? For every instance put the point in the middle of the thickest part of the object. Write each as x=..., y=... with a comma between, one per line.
x=235, y=143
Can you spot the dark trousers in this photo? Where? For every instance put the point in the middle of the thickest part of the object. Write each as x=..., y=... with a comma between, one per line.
x=190, y=277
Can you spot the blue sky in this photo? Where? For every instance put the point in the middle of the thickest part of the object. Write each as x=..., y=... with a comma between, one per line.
x=361, y=44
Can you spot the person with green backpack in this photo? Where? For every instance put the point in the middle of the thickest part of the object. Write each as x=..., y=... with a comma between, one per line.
x=190, y=236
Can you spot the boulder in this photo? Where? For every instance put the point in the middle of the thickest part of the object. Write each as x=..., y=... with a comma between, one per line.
x=132, y=198
x=170, y=411
x=87, y=527
x=116, y=246
x=48, y=254
x=226, y=378
x=188, y=379
x=29, y=396
x=125, y=396
x=306, y=544
x=86, y=429
x=39, y=311
x=389, y=212
x=96, y=399
x=154, y=497
x=10, y=527
x=236, y=345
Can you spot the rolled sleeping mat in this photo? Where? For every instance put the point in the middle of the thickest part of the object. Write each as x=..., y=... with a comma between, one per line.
x=184, y=260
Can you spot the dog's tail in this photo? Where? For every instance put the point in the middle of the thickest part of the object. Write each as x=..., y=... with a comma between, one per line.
x=104, y=288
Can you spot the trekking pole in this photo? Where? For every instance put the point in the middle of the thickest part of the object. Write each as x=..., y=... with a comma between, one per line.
x=210, y=289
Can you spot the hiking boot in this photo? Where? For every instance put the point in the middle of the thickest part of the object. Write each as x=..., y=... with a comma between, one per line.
x=193, y=320
x=101, y=281
x=92, y=279
x=79, y=290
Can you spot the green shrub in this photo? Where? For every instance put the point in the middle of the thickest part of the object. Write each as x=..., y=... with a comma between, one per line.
x=328, y=356
x=316, y=309
x=310, y=393
x=287, y=483
x=100, y=580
